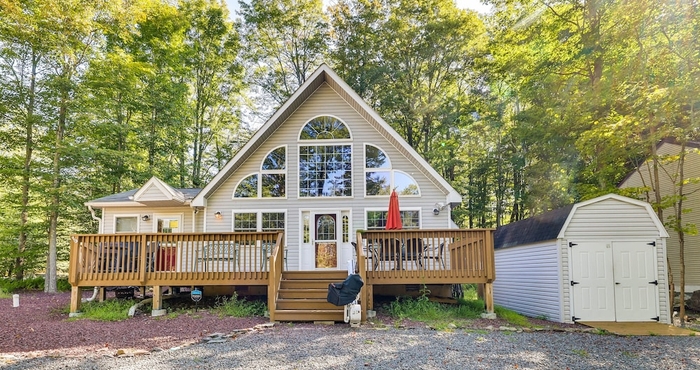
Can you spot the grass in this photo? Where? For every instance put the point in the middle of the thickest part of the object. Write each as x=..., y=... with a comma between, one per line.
x=447, y=316
x=580, y=352
x=109, y=310
x=236, y=307
x=4, y=294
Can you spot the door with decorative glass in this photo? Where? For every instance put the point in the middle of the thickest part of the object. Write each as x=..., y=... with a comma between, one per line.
x=325, y=232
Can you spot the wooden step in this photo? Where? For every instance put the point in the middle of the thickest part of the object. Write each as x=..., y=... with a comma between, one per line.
x=305, y=284
x=331, y=275
x=303, y=293
x=305, y=304
x=310, y=315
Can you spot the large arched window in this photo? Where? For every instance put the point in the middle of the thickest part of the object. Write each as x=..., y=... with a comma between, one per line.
x=325, y=169
x=380, y=177
x=270, y=182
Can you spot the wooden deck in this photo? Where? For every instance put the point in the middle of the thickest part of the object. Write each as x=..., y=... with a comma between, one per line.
x=257, y=258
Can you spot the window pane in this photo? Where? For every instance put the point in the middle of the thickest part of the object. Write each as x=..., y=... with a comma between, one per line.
x=410, y=219
x=307, y=228
x=273, y=185
x=324, y=127
x=376, y=220
x=245, y=222
x=168, y=225
x=346, y=229
x=325, y=171
x=325, y=227
x=375, y=158
x=378, y=183
x=272, y=221
x=405, y=184
x=125, y=224
x=248, y=188
x=275, y=160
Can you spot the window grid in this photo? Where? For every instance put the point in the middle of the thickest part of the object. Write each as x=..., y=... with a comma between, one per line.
x=376, y=220
x=245, y=222
x=272, y=221
x=325, y=171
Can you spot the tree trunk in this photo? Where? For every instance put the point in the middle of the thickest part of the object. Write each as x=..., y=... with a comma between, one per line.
x=681, y=233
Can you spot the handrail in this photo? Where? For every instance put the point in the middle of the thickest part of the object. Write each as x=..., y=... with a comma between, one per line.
x=276, y=267
x=362, y=271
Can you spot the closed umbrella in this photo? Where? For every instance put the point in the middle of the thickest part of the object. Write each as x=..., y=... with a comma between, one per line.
x=393, y=217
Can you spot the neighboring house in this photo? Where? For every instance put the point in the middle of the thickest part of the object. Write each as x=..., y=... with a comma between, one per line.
x=324, y=161
x=641, y=178
x=599, y=260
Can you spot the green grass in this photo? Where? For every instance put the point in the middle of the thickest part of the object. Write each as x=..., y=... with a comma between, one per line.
x=233, y=306
x=580, y=352
x=32, y=284
x=4, y=294
x=440, y=315
x=109, y=310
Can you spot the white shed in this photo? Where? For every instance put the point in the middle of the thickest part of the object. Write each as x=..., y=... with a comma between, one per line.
x=599, y=260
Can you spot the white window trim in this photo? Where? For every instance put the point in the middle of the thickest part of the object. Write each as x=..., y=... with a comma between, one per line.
x=114, y=222
x=258, y=217
x=154, y=220
x=375, y=209
x=325, y=143
x=262, y=172
x=390, y=169
x=301, y=129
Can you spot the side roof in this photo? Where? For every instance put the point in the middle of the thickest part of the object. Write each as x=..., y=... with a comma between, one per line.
x=325, y=74
x=545, y=226
x=132, y=197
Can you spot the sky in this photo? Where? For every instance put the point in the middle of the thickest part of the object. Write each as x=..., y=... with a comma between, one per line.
x=464, y=4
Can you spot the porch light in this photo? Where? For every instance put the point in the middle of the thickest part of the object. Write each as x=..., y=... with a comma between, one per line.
x=146, y=218
x=438, y=207
x=218, y=215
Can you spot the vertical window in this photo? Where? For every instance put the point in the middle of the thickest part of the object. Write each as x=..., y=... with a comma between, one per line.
x=307, y=228
x=346, y=229
x=126, y=224
x=325, y=171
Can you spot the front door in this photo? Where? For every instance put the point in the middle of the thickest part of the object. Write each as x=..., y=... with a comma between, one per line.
x=325, y=234
x=635, y=291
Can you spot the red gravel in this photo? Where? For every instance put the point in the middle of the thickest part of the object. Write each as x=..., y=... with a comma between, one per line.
x=38, y=328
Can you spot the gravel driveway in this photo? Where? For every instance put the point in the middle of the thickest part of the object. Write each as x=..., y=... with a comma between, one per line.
x=308, y=346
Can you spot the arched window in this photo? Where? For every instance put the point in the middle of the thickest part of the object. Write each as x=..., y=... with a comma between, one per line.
x=324, y=128
x=270, y=182
x=380, y=178
x=325, y=170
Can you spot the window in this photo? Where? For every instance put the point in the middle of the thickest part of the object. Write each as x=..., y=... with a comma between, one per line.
x=126, y=224
x=376, y=220
x=324, y=128
x=168, y=225
x=346, y=229
x=325, y=171
x=258, y=221
x=380, y=178
x=270, y=182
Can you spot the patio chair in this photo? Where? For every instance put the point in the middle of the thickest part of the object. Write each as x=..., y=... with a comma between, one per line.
x=389, y=250
x=413, y=251
x=435, y=253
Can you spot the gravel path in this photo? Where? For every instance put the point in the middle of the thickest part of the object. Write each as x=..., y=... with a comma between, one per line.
x=307, y=346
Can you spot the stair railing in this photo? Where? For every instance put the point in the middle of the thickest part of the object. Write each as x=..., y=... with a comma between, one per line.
x=276, y=260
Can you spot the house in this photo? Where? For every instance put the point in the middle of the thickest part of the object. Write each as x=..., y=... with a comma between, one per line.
x=599, y=260
x=668, y=150
x=307, y=194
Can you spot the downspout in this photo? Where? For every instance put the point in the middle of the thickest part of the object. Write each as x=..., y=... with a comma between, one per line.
x=99, y=220
x=96, y=290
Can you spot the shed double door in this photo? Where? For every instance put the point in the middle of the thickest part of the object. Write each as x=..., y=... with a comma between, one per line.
x=614, y=281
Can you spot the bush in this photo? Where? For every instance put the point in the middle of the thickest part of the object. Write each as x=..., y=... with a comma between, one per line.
x=109, y=310
x=35, y=284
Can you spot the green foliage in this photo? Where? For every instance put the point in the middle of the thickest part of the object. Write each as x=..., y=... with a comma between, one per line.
x=436, y=314
x=31, y=284
x=511, y=316
x=236, y=307
x=108, y=310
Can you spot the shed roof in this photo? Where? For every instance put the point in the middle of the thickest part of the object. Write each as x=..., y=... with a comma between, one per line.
x=545, y=226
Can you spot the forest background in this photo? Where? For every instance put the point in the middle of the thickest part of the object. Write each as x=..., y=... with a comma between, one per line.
x=530, y=107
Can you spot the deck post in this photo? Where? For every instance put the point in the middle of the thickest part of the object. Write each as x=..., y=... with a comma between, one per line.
x=74, y=301
x=157, y=299
x=488, y=297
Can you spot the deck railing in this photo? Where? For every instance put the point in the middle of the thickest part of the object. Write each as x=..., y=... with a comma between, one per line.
x=276, y=269
x=172, y=259
x=421, y=256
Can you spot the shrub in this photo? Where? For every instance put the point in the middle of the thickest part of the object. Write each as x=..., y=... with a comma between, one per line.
x=236, y=307
x=109, y=310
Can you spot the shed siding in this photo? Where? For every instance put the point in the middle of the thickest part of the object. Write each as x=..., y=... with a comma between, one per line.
x=565, y=280
x=527, y=280
x=325, y=101
x=692, y=203
x=611, y=219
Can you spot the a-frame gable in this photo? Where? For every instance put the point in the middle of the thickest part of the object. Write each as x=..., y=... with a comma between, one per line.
x=325, y=74
x=156, y=190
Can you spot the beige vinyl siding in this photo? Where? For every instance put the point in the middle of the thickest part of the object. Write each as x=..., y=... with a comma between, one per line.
x=611, y=218
x=528, y=280
x=692, y=203
x=151, y=194
x=324, y=101
x=146, y=226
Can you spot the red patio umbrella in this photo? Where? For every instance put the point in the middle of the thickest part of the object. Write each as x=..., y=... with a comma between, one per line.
x=393, y=217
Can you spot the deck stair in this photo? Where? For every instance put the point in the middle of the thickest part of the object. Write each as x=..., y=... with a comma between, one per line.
x=302, y=296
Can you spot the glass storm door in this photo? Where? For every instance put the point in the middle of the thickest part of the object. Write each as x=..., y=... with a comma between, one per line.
x=325, y=240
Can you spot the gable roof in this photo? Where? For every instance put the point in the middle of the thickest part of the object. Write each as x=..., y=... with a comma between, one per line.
x=164, y=195
x=551, y=225
x=545, y=226
x=324, y=74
